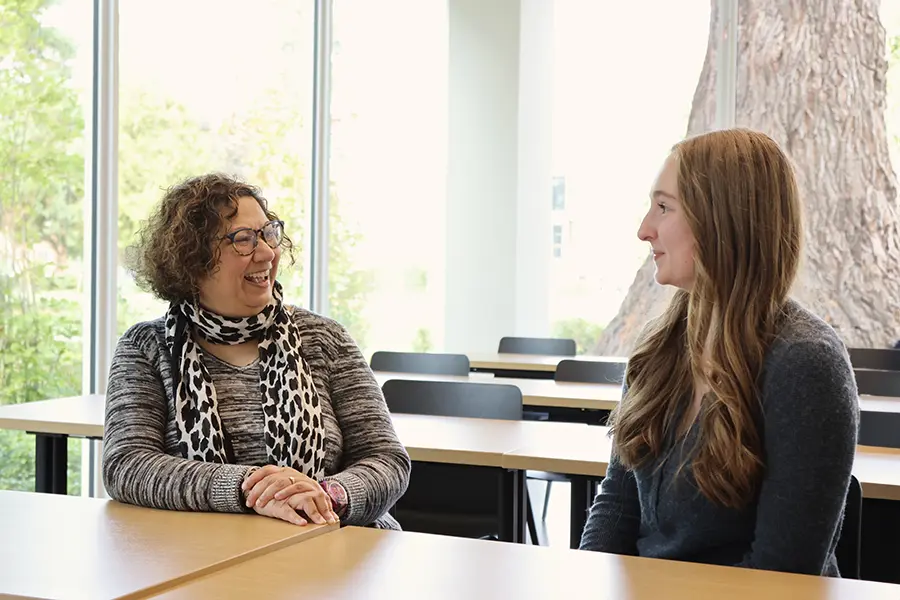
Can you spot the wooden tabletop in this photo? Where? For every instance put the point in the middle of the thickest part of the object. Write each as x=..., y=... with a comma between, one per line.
x=463, y=441
x=535, y=392
x=878, y=471
x=578, y=452
x=368, y=564
x=569, y=448
x=75, y=416
x=83, y=415
x=529, y=362
x=56, y=546
x=882, y=404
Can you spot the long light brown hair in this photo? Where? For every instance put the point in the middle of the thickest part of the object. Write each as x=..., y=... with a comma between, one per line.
x=739, y=196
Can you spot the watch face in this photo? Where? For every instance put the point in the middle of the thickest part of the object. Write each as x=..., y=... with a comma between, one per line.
x=338, y=495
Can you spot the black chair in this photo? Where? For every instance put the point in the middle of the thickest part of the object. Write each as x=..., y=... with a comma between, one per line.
x=879, y=429
x=526, y=345
x=849, y=543
x=581, y=371
x=589, y=371
x=883, y=359
x=434, y=501
x=420, y=362
x=454, y=399
x=878, y=383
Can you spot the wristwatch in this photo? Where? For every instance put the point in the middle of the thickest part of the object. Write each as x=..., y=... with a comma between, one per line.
x=338, y=495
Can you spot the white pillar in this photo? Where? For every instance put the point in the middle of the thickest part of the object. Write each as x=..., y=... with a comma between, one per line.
x=534, y=234
x=481, y=173
x=499, y=190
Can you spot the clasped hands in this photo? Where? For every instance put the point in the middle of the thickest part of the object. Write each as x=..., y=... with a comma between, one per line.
x=283, y=492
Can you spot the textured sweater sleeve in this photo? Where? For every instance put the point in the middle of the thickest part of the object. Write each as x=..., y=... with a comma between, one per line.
x=811, y=415
x=375, y=469
x=614, y=521
x=136, y=468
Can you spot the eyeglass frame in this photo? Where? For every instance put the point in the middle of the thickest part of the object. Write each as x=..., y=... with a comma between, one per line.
x=259, y=235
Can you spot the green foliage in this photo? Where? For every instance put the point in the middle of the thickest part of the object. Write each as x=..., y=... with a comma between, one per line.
x=41, y=226
x=585, y=333
x=40, y=358
x=42, y=196
x=267, y=146
x=41, y=188
x=422, y=342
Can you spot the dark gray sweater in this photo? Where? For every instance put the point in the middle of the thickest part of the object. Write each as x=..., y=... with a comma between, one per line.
x=141, y=463
x=810, y=419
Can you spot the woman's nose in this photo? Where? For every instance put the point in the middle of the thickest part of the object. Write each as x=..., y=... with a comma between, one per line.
x=263, y=252
x=646, y=232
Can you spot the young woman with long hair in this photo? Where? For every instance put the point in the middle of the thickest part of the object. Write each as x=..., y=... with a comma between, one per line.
x=735, y=437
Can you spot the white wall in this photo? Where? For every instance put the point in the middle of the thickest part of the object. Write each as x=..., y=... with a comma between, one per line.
x=499, y=180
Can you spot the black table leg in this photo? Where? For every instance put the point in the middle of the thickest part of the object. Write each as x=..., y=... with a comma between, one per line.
x=522, y=505
x=50, y=463
x=580, y=502
x=512, y=506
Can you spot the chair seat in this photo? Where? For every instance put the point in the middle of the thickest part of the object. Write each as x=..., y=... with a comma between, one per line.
x=442, y=523
x=546, y=476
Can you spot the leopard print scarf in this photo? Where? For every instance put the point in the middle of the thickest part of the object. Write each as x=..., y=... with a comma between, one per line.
x=294, y=431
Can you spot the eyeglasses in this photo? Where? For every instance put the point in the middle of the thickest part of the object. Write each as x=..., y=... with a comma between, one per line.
x=245, y=240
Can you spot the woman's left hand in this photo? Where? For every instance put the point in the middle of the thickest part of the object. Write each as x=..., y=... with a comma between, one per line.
x=262, y=485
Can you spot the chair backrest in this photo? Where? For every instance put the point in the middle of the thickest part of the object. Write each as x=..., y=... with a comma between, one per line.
x=884, y=359
x=454, y=399
x=879, y=429
x=849, y=543
x=589, y=371
x=878, y=383
x=526, y=345
x=420, y=362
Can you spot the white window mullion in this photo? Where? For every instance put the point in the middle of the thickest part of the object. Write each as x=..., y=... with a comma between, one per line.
x=321, y=156
x=726, y=63
x=102, y=229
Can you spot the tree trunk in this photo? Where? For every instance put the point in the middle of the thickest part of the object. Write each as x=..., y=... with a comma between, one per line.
x=811, y=74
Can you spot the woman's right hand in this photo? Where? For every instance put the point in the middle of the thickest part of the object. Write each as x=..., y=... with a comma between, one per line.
x=280, y=509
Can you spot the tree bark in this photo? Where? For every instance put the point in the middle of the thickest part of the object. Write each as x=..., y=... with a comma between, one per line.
x=811, y=74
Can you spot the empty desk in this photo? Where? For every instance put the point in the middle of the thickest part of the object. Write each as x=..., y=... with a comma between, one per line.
x=366, y=564
x=70, y=547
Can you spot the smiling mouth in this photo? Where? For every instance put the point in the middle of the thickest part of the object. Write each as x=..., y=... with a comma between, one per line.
x=259, y=278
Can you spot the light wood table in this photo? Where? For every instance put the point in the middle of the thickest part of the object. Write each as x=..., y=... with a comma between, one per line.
x=878, y=471
x=77, y=416
x=581, y=454
x=52, y=422
x=484, y=443
x=71, y=547
x=479, y=442
x=367, y=564
x=532, y=363
x=535, y=392
x=879, y=404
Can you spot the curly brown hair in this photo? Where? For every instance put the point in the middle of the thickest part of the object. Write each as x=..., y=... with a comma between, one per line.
x=175, y=247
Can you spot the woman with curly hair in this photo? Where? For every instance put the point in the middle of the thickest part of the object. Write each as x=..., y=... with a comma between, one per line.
x=735, y=437
x=235, y=401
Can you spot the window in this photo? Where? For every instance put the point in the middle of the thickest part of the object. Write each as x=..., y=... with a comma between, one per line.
x=230, y=90
x=559, y=193
x=388, y=172
x=557, y=241
x=612, y=128
x=45, y=87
